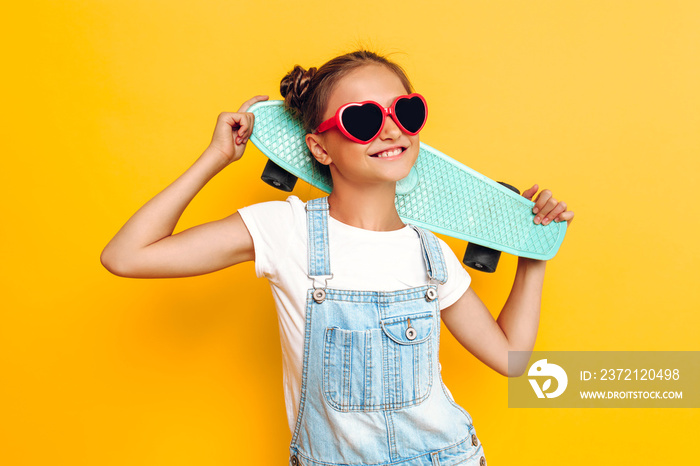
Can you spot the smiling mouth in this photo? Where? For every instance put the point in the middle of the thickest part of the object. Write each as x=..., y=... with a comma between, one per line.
x=389, y=153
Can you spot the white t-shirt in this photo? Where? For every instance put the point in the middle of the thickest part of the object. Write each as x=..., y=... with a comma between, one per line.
x=360, y=260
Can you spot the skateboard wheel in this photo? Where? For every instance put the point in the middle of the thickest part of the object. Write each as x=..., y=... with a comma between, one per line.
x=481, y=258
x=278, y=177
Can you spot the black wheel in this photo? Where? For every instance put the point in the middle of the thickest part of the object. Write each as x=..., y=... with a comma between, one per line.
x=481, y=258
x=512, y=188
x=278, y=177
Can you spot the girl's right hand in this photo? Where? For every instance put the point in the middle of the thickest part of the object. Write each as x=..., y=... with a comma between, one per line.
x=233, y=130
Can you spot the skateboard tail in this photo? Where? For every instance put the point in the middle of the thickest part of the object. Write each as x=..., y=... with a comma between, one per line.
x=280, y=137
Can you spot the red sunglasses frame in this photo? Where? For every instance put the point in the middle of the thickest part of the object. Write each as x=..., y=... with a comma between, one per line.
x=336, y=120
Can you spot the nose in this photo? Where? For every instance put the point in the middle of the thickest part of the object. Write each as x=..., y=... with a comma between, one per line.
x=390, y=130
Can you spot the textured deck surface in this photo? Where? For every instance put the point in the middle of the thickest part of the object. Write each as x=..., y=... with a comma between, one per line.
x=441, y=194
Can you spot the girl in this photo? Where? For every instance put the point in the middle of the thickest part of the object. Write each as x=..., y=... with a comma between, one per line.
x=359, y=294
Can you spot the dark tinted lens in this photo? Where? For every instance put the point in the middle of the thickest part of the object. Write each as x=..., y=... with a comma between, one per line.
x=362, y=121
x=411, y=113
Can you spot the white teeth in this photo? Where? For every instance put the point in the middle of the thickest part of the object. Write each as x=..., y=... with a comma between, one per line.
x=389, y=153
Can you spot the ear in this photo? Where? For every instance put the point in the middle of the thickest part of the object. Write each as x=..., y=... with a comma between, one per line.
x=315, y=144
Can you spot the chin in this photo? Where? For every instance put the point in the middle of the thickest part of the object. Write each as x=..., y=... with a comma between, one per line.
x=399, y=171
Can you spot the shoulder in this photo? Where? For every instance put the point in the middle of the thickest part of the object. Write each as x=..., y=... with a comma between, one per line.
x=274, y=212
x=458, y=279
x=441, y=245
x=274, y=226
x=292, y=203
x=446, y=249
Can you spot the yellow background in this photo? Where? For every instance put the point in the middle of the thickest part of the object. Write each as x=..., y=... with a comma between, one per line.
x=106, y=102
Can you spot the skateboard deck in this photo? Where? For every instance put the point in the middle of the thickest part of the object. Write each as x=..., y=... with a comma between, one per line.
x=440, y=193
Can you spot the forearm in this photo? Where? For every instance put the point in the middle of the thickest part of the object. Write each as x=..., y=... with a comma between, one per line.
x=520, y=316
x=159, y=216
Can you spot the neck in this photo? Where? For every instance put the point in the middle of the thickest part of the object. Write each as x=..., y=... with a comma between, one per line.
x=367, y=207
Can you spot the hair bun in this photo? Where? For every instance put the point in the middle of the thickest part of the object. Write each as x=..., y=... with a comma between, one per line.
x=294, y=87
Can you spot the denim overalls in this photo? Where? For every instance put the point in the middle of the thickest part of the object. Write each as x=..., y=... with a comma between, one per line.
x=371, y=389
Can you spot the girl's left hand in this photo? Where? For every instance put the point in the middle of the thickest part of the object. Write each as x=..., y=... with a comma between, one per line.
x=547, y=208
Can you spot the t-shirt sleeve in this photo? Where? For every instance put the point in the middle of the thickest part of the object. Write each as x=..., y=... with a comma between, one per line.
x=458, y=280
x=271, y=225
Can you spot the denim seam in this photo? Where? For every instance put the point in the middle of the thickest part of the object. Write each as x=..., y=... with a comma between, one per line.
x=347, y=368
x=305, y=370
x=402, y=460
x=398, y=360
x=346, y=406
x=402, y=318
x=385, y=406
x=370, y=297
x=416, y=370
x=405, y=343
x=317, y=222
x=437, y=259
x=393, y=453
x=367, y=391
x=470, y=457
x=442, y=269
x=442, y=384
x=424, y=250
x=432, y=254
x=456, y=444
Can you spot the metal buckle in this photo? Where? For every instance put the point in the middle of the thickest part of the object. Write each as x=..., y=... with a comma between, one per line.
x=319, y=293
x=431, y=293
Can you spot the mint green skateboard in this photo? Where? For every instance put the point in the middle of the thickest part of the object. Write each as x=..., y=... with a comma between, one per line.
x=440, y=194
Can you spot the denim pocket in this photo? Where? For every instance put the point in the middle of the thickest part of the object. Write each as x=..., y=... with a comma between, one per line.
x=409, y=329
x=379, y=369
x=408, y=358
x=352, y=369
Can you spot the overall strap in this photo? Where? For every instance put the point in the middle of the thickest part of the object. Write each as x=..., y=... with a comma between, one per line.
x=317, y=226
x=432, y=255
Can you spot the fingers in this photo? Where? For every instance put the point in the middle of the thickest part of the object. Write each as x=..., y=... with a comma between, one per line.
x=554, y=213
x=251, y=101
x=567, y=216
x=245, y=127
x=547, y=208
x=241, y=124
x=527, y=194
x=541, y=203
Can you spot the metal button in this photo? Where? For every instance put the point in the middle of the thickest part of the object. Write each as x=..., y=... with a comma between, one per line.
x=474, y=441
x=411, y=333
x=295, y=461
x=319, y=295
x=431, y=294
x=482, y=461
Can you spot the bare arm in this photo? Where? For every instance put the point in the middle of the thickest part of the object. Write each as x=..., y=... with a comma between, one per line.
x=516, y=327
x=145, y=246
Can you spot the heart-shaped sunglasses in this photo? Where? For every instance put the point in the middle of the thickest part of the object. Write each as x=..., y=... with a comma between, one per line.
x=362, y=122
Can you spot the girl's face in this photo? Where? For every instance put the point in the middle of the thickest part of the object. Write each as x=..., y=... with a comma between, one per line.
x=361, y=163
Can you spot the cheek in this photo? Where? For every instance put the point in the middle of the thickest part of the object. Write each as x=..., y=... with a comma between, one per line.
x=415, y=144
x=341, y=148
